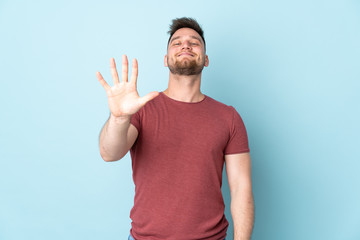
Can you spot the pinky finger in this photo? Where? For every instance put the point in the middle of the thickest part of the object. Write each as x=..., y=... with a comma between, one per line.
x=102, y=81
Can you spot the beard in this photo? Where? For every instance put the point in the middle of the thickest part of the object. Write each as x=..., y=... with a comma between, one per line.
x=186, y=67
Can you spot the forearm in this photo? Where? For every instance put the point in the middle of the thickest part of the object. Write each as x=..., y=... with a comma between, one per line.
x=113, y=140
x=242, y=211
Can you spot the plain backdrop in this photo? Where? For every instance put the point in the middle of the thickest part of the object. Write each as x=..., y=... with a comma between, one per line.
x=290, y=68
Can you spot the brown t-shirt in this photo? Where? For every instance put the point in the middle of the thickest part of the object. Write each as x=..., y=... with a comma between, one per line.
x=177, y=163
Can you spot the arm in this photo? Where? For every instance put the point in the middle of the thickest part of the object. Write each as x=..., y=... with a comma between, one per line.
x=238, y=170
x=116, y=138
x=118, y=135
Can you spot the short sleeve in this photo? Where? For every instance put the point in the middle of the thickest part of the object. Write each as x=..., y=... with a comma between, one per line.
x=135, y=120
x=238, y=140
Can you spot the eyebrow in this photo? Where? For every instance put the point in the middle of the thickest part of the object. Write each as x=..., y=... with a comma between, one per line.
x=192, y=36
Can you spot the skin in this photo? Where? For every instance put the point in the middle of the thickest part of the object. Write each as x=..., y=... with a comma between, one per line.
x=186, y=52
x=185, y=45
x=118, y=135
x=238, y=171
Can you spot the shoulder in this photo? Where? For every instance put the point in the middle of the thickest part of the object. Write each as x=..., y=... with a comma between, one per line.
x=220, y=107
x=227, y=114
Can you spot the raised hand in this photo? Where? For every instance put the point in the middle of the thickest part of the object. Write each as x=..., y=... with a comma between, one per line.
x=123, y=97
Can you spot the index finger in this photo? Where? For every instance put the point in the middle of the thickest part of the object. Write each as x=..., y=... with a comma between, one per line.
x=134, y=72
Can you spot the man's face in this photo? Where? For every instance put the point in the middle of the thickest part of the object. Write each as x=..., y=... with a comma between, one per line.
x=186, y=53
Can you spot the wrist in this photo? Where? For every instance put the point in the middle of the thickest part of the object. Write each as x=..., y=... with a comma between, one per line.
x=120, y=119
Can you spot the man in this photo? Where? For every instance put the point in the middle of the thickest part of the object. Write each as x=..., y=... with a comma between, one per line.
x=179, y=142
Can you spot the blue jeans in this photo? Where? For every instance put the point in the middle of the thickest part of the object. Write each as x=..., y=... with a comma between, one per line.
x=131, y=238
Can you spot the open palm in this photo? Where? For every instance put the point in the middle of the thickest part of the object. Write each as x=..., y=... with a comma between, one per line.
x=123, y=97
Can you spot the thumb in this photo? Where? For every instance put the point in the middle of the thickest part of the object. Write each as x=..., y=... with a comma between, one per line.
x=148, y=97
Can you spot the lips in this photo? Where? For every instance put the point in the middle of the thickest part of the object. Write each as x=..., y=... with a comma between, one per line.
x=185, y=54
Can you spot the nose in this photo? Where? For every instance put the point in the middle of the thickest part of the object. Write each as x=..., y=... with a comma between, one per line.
x=186, y=45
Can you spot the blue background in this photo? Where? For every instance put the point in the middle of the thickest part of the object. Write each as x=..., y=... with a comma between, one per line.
x=290, y=68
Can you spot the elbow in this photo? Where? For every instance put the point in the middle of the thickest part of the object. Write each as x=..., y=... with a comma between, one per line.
x=109, y=158
x=106, y=159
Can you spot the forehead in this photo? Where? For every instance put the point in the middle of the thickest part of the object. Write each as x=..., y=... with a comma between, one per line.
x=186, y=32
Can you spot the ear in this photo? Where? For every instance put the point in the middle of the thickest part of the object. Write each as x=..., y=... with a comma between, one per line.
x=206, y=60
x=165, y=61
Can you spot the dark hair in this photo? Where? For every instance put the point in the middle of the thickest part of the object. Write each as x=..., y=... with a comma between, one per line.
x=185, y=22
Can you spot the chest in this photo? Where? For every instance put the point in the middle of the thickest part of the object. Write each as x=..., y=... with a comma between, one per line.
x=187, y=130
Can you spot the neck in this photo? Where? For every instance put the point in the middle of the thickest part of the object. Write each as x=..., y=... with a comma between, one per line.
x=184, y=88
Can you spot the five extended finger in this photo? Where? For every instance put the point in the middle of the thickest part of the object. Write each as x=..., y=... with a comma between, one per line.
x=124, y=69
x=102, y=81
x=134, y=71
x=114, y=73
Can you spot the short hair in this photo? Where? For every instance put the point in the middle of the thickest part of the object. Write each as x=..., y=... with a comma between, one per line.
x=185, y=22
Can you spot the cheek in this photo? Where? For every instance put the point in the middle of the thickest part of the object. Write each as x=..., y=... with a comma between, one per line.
x=170, y=52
